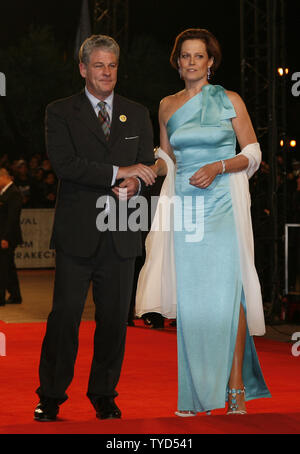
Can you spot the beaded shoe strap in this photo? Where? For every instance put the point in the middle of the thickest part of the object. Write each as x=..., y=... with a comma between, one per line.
x=234, y=392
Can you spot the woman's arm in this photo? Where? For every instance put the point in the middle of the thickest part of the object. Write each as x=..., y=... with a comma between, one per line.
x=160, y=166
x=245, y=134
x=242, y=124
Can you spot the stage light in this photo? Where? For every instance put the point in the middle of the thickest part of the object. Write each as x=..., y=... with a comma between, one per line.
x=281, y=143
x=293, y=143
x=280, y=71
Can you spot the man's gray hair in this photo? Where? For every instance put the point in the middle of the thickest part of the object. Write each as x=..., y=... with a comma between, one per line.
x=97, y=41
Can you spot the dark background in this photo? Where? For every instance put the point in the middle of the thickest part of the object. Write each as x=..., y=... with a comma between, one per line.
x=37, y=42
x=153, y=26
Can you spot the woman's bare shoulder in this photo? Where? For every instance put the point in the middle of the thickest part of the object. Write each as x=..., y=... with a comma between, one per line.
x=169, y=100
x=235, y=98
x=167, y=104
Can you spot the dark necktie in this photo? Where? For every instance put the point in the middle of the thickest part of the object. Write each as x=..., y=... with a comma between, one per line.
x=104, y=118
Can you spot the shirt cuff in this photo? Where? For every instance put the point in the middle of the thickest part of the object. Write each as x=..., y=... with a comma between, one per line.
x=139, y=189
x=115, y=171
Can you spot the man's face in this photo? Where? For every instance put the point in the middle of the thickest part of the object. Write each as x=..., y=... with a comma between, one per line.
x=100, y=73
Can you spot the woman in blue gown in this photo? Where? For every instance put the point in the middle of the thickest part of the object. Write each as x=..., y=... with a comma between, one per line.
x=217, y=360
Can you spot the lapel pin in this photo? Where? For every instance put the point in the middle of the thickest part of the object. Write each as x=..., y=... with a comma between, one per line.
x=123, y=118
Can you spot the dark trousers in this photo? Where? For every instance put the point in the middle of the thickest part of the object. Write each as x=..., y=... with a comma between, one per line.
x=111, y=277
x=8, y=275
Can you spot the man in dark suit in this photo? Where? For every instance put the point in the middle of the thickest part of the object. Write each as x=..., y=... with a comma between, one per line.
x=99, y=144
x=10, y=237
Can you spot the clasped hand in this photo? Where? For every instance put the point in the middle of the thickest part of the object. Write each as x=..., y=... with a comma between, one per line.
x=204, y=177
x=130, y=184
x=126, y=189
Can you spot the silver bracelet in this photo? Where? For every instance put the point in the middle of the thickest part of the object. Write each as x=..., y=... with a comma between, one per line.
x=223, y=166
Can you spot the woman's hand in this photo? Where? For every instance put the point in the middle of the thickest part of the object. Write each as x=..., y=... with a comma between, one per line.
x=206, y=175
x=160, y=167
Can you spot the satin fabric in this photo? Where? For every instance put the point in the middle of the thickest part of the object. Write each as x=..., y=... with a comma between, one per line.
x=241, y=203
x=209, y=280
x=156, y=287
x=208, y=272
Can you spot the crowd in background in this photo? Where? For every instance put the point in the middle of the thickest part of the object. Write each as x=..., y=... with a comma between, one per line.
x=37, y=183
x=34, y=178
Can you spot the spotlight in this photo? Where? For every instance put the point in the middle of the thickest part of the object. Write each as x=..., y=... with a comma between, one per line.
x=280, y=71
x=293, y=143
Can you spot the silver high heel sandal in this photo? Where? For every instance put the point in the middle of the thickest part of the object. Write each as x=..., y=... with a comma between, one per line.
x=233, y=406
x=188, y=414
x=185, y=414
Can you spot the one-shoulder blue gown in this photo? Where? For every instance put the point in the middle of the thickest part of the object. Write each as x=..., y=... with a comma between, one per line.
x=208, y=273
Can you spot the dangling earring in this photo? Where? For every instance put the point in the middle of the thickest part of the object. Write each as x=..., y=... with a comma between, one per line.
x=179, y=69
x=208, y=73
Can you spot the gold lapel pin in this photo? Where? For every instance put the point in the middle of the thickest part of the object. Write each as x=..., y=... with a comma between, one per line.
x=123, y=118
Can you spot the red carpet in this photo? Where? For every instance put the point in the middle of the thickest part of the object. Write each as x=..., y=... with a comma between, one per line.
x=147, y=389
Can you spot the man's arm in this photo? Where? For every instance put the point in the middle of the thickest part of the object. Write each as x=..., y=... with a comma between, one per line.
x=146, y=147
x=141, y=170
x=64, y=160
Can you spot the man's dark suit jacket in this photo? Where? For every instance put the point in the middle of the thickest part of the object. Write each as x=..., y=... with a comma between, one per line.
x=10, y=209
x=82, y=159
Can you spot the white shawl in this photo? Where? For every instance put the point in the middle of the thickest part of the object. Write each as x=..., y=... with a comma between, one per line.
x=156, y=289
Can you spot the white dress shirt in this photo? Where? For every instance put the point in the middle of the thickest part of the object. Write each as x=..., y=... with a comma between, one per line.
x=109, y=107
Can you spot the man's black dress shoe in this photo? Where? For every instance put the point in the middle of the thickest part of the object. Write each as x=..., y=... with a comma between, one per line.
x=46, y=410
x=153, y=320
x=106, y=408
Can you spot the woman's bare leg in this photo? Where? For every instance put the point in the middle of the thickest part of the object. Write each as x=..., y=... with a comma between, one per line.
x=236, y=375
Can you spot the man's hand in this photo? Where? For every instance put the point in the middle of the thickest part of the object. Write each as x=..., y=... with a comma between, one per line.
x=137, y=170
x=4, y=244
x=127, y=189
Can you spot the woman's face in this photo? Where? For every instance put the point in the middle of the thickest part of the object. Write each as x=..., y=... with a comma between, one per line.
x=193, y=60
